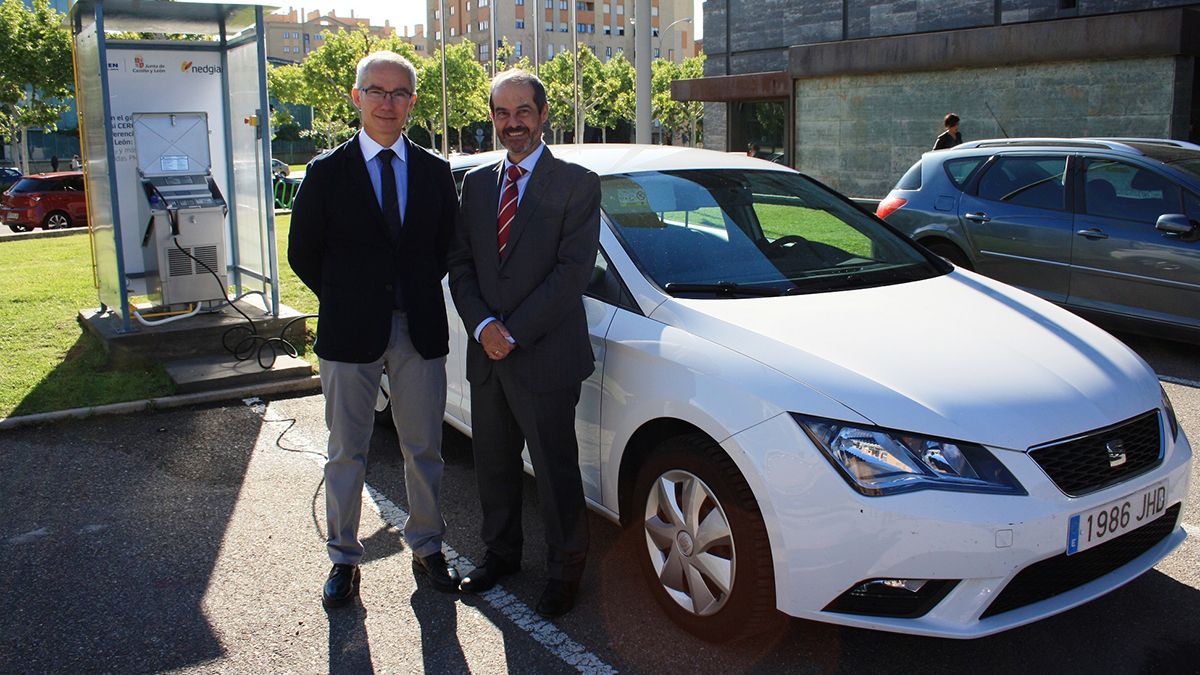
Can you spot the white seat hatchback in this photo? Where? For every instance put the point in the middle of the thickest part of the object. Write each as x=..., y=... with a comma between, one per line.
x=802, y=412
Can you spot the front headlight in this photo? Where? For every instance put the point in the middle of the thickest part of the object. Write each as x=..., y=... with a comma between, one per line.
x=878, y=461
x=1172, y=421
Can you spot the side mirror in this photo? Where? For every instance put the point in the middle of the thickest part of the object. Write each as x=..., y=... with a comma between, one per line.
x=1177, y=224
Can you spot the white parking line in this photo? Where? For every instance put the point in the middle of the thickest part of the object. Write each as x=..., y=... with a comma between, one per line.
x=544, y=632
x=547, y=634
x=1179, y=380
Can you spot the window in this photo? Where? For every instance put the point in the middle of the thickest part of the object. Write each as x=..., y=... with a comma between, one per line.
x=520, y=23
x=549, y=51
x=468, y=5
x=437, y=13
x=620, y=9
x=1119, y=190
x=562, y=28
x=1191, y=206
x=437, y=35
x=549, y=28
x=519, y=2
x=608, y=52
x=518, y=49
x=549, y=4
x=484, y=3
x=485, y=53
x=621, y=30
x=562, y=4
x=959, y=170
x=451, y=10
x=605, y=10
x=607, y=30
x=654, y=32
x=606, y=285
x=657, y=52
x=653, y=11
x=453, y=31
x=484, y=25
x=1036, y=182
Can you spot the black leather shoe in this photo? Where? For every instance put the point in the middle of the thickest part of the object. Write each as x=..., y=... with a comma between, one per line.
x=342, y=586
x=442, y=575
x=484, y=577
x=558, y=598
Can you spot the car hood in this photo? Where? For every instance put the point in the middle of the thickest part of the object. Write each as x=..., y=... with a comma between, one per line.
x=958, y=356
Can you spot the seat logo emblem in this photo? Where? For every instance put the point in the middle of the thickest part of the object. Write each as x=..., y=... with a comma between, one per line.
x=1116, y=452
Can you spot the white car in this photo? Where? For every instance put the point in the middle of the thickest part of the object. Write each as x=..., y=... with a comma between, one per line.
x=802, y=411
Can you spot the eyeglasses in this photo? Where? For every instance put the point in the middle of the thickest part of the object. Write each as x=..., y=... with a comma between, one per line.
x=377, y=95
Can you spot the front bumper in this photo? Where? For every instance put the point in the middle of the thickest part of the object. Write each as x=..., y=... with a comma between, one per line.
x=826, y=538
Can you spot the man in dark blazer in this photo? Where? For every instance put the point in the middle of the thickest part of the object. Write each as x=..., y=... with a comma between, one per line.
x=524, y=251
x=371, y=226
x=951, y=136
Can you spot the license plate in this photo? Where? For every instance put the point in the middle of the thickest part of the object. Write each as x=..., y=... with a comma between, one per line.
x=1098, y=525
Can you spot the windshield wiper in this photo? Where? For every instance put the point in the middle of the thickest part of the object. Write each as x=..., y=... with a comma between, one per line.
x=723, y=287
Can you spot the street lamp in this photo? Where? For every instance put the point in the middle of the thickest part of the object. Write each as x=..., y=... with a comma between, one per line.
x=663, y=33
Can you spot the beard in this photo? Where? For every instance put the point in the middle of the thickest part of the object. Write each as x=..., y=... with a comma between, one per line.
x=522, y=141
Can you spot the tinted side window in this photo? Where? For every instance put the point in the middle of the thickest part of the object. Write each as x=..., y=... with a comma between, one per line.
x=1191, y=206
x=1119, y=190
x=605, y=285
x=961, y=169
x=1037, y=182
x=911, y=180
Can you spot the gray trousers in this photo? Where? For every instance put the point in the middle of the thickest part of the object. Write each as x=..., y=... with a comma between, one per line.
x=418, y=394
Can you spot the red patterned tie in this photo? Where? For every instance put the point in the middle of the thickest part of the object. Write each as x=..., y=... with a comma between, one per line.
x=508, y=206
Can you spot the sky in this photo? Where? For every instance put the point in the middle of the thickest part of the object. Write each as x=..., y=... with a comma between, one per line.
x=407, y=12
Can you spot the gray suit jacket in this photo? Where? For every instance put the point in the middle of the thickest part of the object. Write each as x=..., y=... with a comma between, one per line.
x=536, y=290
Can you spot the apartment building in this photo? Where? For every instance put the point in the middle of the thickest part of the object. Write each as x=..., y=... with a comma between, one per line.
x=291, y=36
x=540, y=29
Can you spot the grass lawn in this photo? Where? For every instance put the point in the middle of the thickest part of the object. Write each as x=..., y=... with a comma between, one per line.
x=47, y=361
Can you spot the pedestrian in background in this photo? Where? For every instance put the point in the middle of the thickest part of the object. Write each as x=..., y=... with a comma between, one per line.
x=54, y=162
x=371, y=226
x=76, y=163
x=951, y=136
x=525, y=248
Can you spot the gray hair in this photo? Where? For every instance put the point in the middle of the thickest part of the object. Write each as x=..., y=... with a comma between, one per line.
x=365, y=63
x=518, y=76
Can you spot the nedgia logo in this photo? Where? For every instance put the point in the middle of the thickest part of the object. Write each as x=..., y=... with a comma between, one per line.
x=207, y=69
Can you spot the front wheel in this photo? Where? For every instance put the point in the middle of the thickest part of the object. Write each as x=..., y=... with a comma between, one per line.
x=56, y=221
x=706, y=555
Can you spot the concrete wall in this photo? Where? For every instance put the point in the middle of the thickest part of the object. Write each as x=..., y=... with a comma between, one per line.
x=859, y=133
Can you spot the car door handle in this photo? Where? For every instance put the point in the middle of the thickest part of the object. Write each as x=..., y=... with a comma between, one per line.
x=977, y=217
x=1092, y=233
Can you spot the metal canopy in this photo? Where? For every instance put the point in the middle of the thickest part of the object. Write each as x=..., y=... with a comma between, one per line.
x=169, y=16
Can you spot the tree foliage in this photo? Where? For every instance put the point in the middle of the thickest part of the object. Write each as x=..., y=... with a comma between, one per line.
x=324, y=80
x=36, y=72
x=467, y=86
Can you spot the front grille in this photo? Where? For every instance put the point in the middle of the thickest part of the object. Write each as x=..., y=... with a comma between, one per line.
x=1084, y=464
x=1062, y=573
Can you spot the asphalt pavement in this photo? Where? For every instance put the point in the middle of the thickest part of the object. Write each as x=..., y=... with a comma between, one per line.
x=191, y=539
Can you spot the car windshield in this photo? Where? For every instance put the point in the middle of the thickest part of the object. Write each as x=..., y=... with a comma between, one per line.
x=717, y=233
x=26, y=185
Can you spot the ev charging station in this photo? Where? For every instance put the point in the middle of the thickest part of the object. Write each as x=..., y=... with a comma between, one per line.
x=176, y=149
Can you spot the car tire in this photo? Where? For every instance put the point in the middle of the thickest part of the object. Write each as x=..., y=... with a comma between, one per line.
x=56, y=220
x=950, y=252
x=719, y=586
x=383, y=404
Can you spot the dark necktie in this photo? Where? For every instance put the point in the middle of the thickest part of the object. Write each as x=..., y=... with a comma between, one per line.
x=391, y=200
x=508, y=207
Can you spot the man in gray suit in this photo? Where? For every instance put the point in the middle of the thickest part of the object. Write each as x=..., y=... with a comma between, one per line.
x=525, y=247
x=371, y=226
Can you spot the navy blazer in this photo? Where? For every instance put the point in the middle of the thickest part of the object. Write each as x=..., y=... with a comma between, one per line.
x=339, y=247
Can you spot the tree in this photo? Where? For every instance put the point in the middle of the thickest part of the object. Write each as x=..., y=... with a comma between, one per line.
x=664, y=109
x=324, y=80
x=595, y=93
x=466, y=91
x=692, y=112
x=617, y=99
x=36, y=73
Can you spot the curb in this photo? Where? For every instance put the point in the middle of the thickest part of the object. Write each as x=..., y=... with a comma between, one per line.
x=307, y=384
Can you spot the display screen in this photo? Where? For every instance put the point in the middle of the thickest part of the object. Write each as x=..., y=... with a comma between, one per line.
x=173, y=163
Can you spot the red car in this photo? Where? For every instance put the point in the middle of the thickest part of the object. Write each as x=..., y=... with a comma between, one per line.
x=47, y=200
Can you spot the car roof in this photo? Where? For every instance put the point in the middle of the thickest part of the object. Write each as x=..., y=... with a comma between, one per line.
x=1127, y=145
x=54, y=174
x=608, y=159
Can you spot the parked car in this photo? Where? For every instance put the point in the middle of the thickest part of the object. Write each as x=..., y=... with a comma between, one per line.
x=801, y=411
x=1109, y=228
x=47, y=200
x=279, y=169
x=8, y=176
